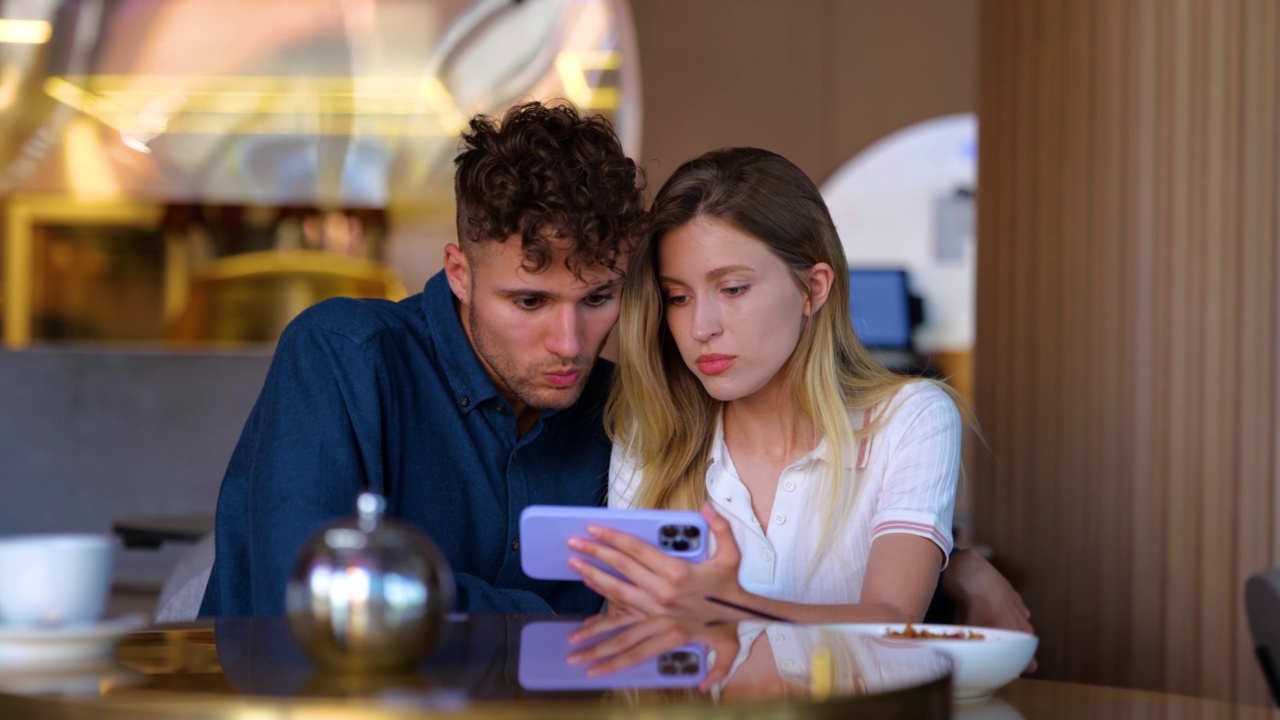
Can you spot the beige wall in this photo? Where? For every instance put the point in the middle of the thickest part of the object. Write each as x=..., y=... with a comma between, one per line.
x=1127, y=357
x=814, y=80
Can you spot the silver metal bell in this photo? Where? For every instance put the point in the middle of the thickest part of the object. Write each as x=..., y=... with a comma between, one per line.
x=368, y=594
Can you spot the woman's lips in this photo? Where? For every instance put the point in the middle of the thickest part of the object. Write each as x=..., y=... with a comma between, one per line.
x=714, y=364
x=562, y=379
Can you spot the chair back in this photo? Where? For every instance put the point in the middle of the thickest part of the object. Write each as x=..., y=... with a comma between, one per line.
x=1262, y=604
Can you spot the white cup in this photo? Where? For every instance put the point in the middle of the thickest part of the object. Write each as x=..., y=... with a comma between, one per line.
x=54, y=580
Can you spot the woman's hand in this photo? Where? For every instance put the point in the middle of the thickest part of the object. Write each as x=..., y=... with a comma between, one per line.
x=652, y=637
x=657, y=584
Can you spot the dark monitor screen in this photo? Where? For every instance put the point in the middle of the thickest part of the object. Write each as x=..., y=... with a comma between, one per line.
x=881, y=307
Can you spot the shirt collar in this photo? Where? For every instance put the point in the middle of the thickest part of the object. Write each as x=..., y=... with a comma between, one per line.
x=467, y=377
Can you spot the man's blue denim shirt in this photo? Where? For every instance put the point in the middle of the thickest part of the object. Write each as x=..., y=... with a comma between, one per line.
x=391, y=397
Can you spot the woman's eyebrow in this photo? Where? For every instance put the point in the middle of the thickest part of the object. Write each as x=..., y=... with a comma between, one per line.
x=712, y=275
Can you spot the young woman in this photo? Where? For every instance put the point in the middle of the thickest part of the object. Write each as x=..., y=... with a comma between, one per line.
x=829, y=482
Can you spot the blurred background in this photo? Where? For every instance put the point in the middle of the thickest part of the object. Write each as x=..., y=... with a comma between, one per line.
x=179, y=178
x=183, y=172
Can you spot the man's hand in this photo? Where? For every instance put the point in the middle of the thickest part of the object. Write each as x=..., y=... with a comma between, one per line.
x=984, y=597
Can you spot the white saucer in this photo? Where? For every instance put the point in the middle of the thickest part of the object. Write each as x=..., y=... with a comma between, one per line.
x=24, y=648
x=89, y=679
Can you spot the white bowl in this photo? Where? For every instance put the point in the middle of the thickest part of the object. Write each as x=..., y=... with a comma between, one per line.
x=982, y=665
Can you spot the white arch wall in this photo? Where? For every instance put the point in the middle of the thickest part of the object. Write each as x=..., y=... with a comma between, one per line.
x=894, y=205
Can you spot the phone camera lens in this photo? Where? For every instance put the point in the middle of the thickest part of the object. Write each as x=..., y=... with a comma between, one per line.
x=680, y=545
x=691, y=532
x=670, y=531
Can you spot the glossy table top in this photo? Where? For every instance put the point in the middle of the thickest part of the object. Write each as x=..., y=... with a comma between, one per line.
x=485, y=665
x=494, y=666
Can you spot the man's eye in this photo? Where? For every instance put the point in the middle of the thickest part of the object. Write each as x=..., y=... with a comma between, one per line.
x=598, y=299
x=529, y=303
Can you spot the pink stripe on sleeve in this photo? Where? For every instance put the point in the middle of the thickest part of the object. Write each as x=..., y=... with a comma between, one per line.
x=913, y=528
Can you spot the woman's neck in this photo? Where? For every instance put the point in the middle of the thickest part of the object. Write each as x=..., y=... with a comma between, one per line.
x=771, y=427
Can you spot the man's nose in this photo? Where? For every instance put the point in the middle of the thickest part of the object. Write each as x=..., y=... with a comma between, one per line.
x=706, y=321
x=564, y=336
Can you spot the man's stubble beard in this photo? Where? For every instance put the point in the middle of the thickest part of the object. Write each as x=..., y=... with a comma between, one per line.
x=504, y=367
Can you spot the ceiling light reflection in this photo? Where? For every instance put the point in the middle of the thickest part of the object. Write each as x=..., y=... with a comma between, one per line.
x=144, y=106
x=25, y=32
x=10, y=81
x=573, y=66
x=88, y=171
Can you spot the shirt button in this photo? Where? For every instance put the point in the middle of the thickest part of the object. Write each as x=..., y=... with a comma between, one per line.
x=788, y=663
x=780, y=519
x=790, y=485
x=466, y=401
x=515, y=544
x=766, y=555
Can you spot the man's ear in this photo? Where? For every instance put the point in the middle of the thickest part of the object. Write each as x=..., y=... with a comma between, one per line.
x=820, y=277
x=457, y=269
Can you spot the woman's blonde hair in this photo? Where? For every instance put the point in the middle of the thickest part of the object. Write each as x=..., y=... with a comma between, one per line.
x=659, y=410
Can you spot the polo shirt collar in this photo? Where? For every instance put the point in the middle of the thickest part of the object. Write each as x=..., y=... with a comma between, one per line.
x=468, y=380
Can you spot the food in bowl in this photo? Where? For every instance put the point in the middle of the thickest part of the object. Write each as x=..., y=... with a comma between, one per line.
x=912, y=632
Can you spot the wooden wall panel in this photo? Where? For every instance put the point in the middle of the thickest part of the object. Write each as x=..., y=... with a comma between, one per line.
x=1127, y=359
x=817, y=80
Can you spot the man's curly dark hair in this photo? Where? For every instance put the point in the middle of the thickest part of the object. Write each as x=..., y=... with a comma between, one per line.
x=546, y=172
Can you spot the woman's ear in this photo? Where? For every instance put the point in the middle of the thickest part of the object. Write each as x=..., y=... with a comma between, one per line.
x=819, y=277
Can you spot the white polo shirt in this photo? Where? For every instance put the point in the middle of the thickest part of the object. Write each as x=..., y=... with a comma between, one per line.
x=906, y=477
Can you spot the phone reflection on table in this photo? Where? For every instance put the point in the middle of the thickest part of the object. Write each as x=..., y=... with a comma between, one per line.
x=740, y=662
x=544, y=662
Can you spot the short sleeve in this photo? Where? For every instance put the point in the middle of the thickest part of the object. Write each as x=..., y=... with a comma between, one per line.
x=624, y=478
x=920, y=456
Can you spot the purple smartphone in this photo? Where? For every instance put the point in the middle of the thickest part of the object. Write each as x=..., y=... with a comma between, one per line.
x=545, y=645
x=545, y=531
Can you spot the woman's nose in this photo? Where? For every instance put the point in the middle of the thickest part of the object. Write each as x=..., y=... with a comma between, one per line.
x=706, y=322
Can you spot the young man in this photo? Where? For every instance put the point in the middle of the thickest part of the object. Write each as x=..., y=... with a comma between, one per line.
x=463, y=404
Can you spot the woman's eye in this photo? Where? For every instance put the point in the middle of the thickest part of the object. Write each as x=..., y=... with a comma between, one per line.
x=677, y=299
x=736, y=290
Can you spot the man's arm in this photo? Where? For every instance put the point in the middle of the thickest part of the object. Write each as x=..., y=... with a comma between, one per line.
x=477, y=596
x=297, y=466
x=313, y=442
x=982, y=595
